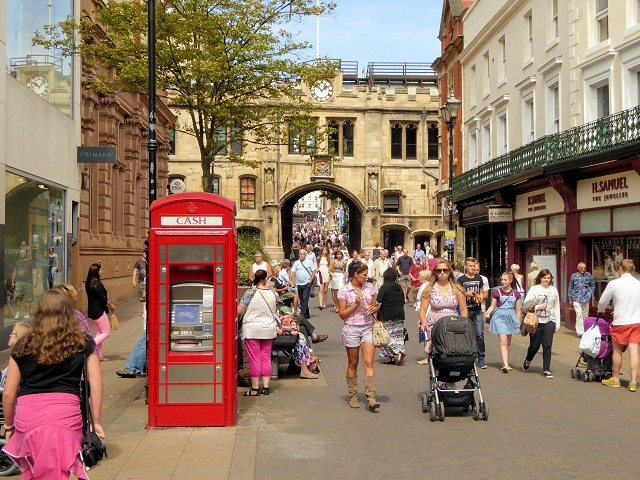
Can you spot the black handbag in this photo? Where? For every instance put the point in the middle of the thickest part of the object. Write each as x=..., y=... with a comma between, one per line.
x=92, y=448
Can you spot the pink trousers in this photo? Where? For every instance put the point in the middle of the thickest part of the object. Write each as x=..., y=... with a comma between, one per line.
x=259, y=353
x=103, y=330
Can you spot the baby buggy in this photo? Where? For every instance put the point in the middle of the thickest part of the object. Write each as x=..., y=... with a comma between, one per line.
x=598, y=367
x=452, y=359
x=7, y=465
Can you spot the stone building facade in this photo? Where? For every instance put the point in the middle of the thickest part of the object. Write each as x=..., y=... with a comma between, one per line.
x=386, y=168
x=113, y=217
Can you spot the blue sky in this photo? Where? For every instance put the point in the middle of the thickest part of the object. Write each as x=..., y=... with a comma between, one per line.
x=377, y=31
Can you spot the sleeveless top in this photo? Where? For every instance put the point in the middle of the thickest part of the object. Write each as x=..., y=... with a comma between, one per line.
x=338, y=268
x=441, y=306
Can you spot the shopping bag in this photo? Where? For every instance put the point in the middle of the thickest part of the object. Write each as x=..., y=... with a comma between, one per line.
x=113, y=320
x=590, y=341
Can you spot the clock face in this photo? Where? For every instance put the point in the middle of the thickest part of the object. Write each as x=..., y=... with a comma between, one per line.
x=39, y=85
x=322, y=91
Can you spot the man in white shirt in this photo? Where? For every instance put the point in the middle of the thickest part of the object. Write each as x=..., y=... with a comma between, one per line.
x=379, y=267
x=311, y=256
x=419, y=254
x=624, y=292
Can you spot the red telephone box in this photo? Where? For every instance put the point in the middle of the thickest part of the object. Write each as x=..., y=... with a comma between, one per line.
x=192, y=308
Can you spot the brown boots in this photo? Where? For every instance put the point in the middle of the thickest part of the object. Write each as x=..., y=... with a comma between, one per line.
x=352, y=384
x=370, y=390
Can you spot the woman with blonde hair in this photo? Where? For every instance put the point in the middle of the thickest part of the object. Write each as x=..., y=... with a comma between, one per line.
x=444, y=295
x=519, y=279
x=73, y=295
x=41, y=399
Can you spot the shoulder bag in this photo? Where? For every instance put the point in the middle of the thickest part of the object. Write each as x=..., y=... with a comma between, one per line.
x=381, y=337
x=92, y=448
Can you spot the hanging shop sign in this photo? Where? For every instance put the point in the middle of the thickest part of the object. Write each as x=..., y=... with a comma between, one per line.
x=538, y=203
x=500, y=213
x=96, y=154
x=617, y=189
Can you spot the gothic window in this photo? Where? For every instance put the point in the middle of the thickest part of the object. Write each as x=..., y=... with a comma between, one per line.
x=432, y=137
x=248, y=193
x=216, y=184
x=404, y=141
x=341, y=138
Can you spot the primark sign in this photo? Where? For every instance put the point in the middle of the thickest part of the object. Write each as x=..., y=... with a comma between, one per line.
x=96, y=155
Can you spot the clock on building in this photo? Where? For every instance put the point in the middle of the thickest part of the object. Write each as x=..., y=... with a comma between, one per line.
x=322, y=91
x=39, y=85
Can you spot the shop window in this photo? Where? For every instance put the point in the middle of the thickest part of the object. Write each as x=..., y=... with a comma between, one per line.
x=522, y=229
x=391, y=203
x=626, y=219
x=248, y=193
x=595, y=221
x=34, y=222
x=539, y=227
x=48, y=73
x=606, y=255
x=557, y=225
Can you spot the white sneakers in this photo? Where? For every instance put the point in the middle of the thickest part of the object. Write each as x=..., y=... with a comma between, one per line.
x=17, y=316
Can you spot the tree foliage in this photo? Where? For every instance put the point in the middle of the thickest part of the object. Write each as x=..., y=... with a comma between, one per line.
x=234, y=66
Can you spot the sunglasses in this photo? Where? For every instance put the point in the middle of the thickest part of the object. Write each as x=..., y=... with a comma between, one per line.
x=12, y=334
x=441, y=270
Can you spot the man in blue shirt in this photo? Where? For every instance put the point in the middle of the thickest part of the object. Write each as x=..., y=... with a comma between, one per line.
x=581, y=287
x=419, y=254
x=305, y=272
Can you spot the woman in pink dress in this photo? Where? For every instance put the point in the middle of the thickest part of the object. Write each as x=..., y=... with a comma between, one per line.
x=444, y=296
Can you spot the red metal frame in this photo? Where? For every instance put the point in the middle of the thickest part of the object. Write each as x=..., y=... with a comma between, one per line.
x=222, y=411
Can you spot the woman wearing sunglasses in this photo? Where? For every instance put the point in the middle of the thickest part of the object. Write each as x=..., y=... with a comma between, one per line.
x=357, y=307
x=444, y=295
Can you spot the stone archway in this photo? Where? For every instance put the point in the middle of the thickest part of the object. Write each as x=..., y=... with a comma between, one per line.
x=289, y=199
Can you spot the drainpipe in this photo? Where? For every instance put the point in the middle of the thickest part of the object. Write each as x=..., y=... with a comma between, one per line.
x=423, y=121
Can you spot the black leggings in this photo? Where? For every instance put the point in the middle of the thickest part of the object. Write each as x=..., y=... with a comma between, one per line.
x=543, y=336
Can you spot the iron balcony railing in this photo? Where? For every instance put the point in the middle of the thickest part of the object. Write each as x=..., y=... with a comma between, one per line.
x=607, y=133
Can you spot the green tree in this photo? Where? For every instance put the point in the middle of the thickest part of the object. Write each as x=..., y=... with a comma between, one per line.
x=234, y=66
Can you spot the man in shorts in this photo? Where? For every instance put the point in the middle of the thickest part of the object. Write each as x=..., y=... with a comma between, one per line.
x=403, y=265
x=625, y=329
x=24, y=280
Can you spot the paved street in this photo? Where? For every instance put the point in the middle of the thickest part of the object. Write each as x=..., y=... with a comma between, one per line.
x=538, y=428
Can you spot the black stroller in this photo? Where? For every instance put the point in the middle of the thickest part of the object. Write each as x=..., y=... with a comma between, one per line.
x=452, y=359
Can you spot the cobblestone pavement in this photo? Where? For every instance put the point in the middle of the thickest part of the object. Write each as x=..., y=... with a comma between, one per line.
x=538, y=428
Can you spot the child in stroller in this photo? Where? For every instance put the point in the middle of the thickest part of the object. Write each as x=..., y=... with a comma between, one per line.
x=454, y=351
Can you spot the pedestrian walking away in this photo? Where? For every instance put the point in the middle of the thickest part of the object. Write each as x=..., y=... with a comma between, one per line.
x=505, y=315
x=98, y=309
x=258, y=305
x=139, y=280
x=41, y=399
x=473, y=286
x=357, y=307
x=544, y=300
x=390, y=298
x=581, y=288
x=625, y=329
x=305, y=271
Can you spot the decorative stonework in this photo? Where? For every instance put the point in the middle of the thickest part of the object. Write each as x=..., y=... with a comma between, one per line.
x=322, y=168
x=269, y=186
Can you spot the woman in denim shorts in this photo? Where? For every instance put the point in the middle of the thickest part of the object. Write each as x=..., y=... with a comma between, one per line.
x=357, y=307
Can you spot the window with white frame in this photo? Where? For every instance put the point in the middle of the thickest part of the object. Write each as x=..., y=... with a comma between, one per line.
x=485, y=76
x=554, y=19
x=486, y=142
x=553, y=107
x=502, y=48
x=473, y=85
x=473, y=149
x=602, y=99
x=528, y=120
x=602, y=20
x=528, y=29
x=502, y=133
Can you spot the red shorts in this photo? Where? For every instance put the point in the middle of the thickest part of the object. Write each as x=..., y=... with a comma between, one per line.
x=626, y=334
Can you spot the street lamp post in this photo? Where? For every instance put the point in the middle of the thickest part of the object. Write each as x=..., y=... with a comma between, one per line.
x=449, y=112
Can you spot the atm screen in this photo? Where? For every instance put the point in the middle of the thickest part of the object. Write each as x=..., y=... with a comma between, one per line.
x=186, y=313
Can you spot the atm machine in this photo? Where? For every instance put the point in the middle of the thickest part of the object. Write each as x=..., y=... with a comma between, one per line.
x=192, y=317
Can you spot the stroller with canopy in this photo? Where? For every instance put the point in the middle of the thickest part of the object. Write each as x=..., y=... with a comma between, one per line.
x=598, y=367
x=452, y=359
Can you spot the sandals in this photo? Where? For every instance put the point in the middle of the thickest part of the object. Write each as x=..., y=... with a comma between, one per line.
x=249, y=393
x=400, y=359
x=389, y=361
x=265, y=391
x=424, y=361
x=308, y=375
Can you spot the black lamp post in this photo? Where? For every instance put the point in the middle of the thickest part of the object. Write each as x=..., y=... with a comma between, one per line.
x=449, y=112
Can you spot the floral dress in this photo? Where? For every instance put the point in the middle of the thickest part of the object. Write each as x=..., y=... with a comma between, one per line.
x=441, y=307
